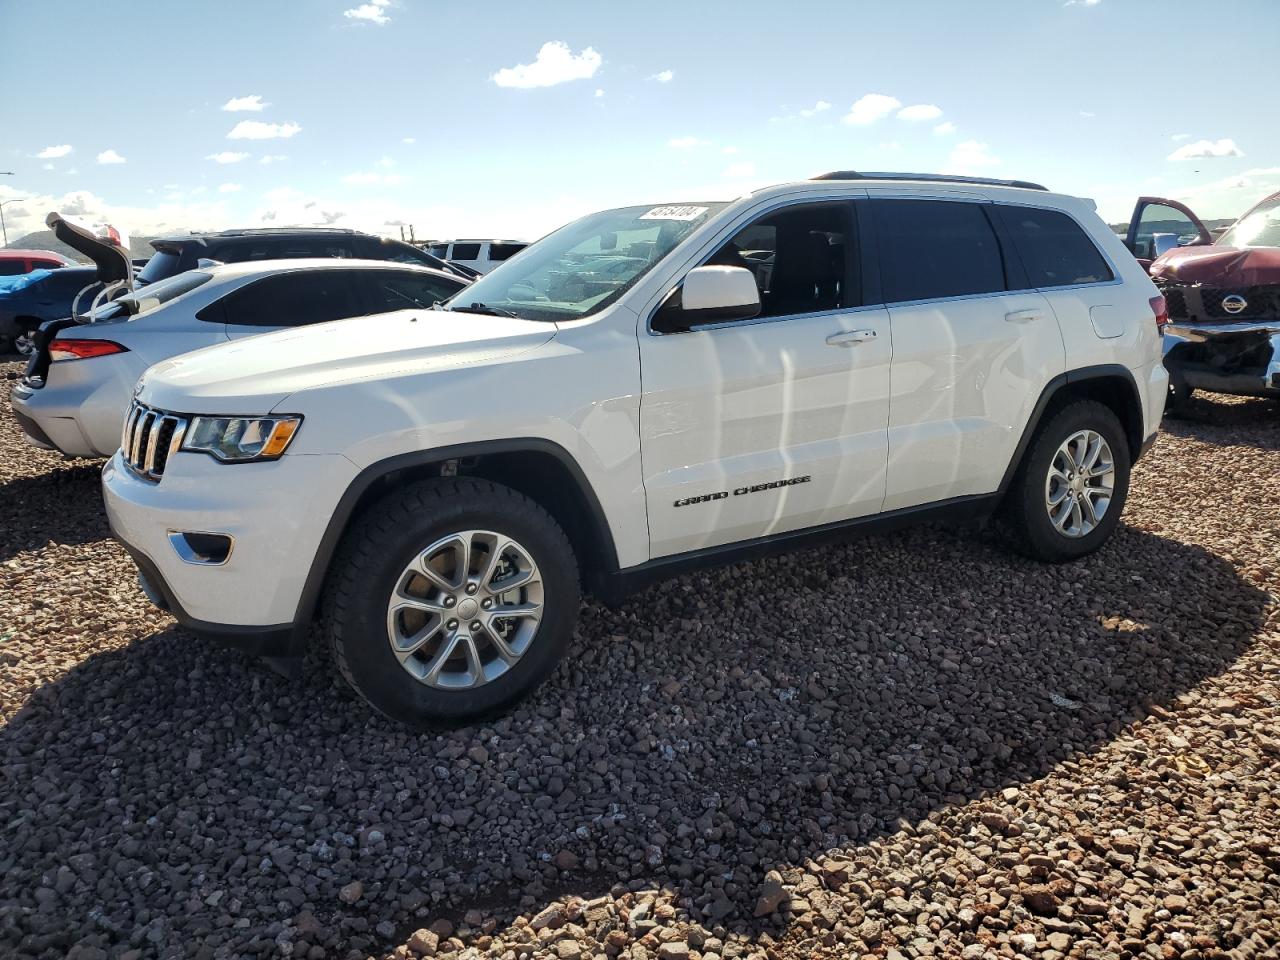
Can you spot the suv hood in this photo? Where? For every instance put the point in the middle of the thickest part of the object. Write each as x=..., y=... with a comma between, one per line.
x=1220, y=266
x=251, y=376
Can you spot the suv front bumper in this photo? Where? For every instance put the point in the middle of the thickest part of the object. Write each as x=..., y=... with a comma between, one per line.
x=276, y=512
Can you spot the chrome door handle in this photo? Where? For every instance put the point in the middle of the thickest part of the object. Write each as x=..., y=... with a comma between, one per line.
x=850, y=338
x=1024, y=316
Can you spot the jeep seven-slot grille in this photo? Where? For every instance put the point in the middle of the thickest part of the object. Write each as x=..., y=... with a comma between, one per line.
x=150, y=438
x=1191, y=301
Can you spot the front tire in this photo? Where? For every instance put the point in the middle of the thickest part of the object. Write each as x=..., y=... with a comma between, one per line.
x=450, y=599
x=1069, y=491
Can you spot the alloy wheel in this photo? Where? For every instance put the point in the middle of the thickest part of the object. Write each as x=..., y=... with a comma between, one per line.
x=1080, y=484
x=465, y=610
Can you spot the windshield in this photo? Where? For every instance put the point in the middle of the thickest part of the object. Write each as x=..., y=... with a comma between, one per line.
x=1260, y=227
x=582, y=268
x=154, y=295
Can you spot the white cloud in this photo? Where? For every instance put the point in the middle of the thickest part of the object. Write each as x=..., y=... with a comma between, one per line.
x=110, y=156
x=1180, y=136
x=408, y=139
x=920, y=111
x=258, y=130
x=53, y=153
x=372, y=177
x=230, y=188
x=252, y=103
x=729, y=150
x=971, y=157
x=872, y=107
x=46, y=166
x=664, y=76
x=1082, y=3
x=373, y=12
x=890, y=146
x=386, y=163
x=740, y=170
x=554, y=64
x=269, y=158
x=945, y=129
x=1207, y=148
x=687, y=143
x=1087, y=114
x=599, y=91
x=227, y=156
x=817, y=108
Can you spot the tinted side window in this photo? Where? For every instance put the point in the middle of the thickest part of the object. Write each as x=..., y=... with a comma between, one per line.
x=294, y=299
x=407, y=291
x=936, y=248
x=12, y=268
x=466, y=251
x=504, y=251
x=1055, y=251
x=799, y=256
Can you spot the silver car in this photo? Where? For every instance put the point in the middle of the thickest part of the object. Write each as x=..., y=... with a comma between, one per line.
x=77, y=390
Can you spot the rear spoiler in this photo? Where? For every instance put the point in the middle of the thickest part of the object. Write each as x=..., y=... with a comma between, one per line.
x=102, y=243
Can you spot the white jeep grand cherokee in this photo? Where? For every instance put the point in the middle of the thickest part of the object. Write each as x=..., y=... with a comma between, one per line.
x=644, y=390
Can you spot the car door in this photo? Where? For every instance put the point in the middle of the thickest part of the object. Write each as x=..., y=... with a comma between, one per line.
x=970, y=356
x=1156, y=215
x=292, y=298
x=763, y=426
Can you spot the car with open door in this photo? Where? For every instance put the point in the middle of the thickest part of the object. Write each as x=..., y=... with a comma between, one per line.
x=1222, y=296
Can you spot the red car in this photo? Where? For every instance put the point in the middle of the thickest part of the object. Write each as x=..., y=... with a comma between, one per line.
x=17, y=262
x=1223, y=296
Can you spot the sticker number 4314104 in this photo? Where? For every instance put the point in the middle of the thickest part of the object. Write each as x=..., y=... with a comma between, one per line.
x=741, y=491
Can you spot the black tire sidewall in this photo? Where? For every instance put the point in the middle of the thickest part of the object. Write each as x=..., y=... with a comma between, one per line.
x=374, y=669
x=1040, y=536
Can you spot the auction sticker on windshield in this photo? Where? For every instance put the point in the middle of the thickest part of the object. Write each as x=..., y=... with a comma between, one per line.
x=674, y=213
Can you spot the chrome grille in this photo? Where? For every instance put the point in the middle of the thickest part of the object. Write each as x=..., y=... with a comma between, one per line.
x=150, y=437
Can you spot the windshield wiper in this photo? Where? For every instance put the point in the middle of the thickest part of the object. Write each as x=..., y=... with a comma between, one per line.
x=485, y=308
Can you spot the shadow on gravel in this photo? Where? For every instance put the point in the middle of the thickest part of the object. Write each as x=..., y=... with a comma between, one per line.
x=1229, y=421
x=712, y=729
x=63, y=505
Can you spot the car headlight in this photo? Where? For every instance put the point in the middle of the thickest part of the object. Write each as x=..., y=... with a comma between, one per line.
x=241, y=439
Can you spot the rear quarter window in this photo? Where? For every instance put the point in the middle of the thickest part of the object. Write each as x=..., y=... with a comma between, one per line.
x=466, y=251
x=1055, y=250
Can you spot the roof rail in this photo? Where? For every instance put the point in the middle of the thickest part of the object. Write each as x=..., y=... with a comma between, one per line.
x=928, y=178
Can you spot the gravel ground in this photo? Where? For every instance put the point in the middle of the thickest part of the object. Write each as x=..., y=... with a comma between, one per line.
x=909, y=746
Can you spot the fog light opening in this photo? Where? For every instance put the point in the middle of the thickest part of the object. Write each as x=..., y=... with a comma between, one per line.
x=207, y=549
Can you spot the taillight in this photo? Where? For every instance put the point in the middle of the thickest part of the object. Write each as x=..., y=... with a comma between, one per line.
x=82, y=349
x=1161, y=310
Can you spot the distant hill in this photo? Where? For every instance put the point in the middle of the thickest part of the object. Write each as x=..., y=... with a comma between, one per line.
x=1214, y=226
x=139, y=247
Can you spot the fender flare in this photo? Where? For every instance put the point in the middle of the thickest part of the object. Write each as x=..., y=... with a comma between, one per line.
x=342, y=514
x=1051, y=390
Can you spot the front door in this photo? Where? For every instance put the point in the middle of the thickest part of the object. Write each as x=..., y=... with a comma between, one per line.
x=1156, y=215
x=759, y=427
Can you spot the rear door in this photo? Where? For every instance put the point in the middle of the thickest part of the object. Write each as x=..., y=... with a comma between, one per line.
x=971, y=351
x=291, y=299
x=1156, y=215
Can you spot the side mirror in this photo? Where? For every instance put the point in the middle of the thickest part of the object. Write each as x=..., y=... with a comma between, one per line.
x=709, y=295
x=1162, y=243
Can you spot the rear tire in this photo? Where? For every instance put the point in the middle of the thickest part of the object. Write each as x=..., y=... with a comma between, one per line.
x=1066, y=498
x=450, y=599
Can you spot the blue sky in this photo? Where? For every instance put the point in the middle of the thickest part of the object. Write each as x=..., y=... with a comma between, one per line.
x=508, y=119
